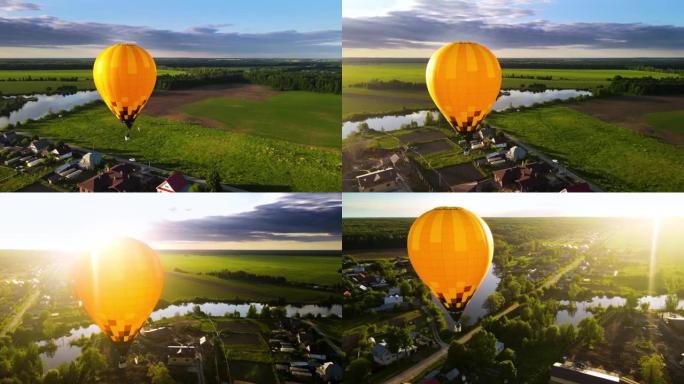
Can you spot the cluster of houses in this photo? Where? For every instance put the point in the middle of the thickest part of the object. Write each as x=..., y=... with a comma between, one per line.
x=307, y=360
x=36, y=153
x=78, y=168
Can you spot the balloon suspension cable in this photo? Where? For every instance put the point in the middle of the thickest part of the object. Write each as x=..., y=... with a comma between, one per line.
x=129, y=125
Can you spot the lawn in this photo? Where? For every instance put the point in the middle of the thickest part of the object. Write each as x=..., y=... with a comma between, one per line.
x=248, y=162
x=617, y=159
x=84, y=82
x=304, y=269
x=184, y=287
x=9, y=183
x=300, y=117
x=667, y=121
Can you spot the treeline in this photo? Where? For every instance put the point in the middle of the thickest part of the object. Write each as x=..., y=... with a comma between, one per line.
x=196, y=77
x=280, y=79
x=521, y=76
x=37, y=64
x=12, y=104
x=647, y=86
x=390, y=85
x=41, y=78
x=251, y=277
x=291, y=80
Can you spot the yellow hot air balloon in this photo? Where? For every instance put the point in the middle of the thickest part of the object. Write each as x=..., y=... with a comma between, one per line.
x=451, y=250
x=464, y=80
x=119, y=283
x=125, y=75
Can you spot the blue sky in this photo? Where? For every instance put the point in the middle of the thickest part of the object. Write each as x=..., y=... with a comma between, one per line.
x=515, y=28
x=251, y=221
x=198, y=28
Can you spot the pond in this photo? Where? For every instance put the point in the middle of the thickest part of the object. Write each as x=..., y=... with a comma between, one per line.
x=514, y=99
x=583, y=307
x=65, y=352
x=46, y=104
x=475, y=308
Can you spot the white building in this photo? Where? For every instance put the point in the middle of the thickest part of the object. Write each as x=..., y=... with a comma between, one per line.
x=91, y=160
x=516, y=153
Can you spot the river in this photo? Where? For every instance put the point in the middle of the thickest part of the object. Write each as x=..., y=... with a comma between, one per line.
x=66, y=352
x=515, y=99
x=45, y=104
x=583, y=307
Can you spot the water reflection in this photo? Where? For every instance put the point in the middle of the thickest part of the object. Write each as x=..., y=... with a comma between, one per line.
x=46, y=104
x=515, y=99
x=582, y=308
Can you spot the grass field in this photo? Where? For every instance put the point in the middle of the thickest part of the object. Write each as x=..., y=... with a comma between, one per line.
x=668, y=121
x=299, y=117
x=615, y=158
x=562, y=78
x=11, y=181
x=303, y=269
x=84, y=82
x=249, y=162
x=361, y=101
x=183, y=287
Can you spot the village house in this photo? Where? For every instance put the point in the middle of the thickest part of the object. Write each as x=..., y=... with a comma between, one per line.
x=384, y=180
x=38, y=146
x=119, y=178
x=516, y=154
x=90, y=161
x=330, y=372
x=8, y=137
x=62, y=152
x=383, y=356
x=174, y=183
x=181, y=355
x=570, y=374
x=523, y=178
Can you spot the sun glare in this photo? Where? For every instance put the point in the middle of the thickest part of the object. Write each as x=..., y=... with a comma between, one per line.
x=654, y=250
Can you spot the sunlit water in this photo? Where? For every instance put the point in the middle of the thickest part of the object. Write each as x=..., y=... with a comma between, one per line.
x=66, y=352
x=516, y=99
x=583, y=307
x=48, y=103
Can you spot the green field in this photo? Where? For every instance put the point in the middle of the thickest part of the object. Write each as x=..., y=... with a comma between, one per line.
x=303, y=269
x=249, y=162
x=667, y=121
x=361, y=101
x=614, y=158
x=11, y=181
x=184, y=287
x=299, y=117
x=564, y=78
x=84, y=82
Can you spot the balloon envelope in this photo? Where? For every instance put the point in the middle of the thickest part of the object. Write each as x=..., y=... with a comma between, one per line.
x=464, y=80
x=451, y=250
x=125, y=75
x=119, y=284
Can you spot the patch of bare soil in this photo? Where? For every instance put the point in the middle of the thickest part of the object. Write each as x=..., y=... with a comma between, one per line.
x=628, y=111
x=168, y=103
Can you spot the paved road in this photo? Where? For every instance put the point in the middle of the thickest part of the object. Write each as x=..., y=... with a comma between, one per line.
x=532, y=150
x=16, y=318
x=415, y=370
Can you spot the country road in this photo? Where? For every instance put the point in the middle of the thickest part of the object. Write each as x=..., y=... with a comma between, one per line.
x=412, y=372
x=15, y=319
x=325, y=337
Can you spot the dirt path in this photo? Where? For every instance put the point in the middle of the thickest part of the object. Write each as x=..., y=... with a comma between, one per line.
x=628, y=111
x=16, y=318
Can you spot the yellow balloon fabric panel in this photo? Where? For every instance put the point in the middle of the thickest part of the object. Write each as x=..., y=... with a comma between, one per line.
x=125, y=75
x=451, y=250
x=119, y=285
x=464, y=80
